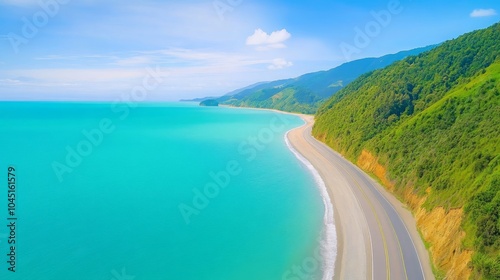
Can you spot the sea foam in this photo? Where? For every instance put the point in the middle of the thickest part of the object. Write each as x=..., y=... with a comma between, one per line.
x=329, y=238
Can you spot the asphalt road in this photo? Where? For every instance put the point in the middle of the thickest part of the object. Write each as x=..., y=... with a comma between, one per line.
x=376, y=235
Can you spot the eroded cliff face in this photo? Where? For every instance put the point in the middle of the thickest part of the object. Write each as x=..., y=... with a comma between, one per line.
x=440, y=228
x=370, y=164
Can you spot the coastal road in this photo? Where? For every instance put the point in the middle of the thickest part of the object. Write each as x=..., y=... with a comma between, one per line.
x=377, y=237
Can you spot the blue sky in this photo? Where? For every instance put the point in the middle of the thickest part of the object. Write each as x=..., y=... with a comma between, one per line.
x=90, y=50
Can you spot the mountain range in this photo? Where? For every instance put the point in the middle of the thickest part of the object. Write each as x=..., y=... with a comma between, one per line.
x=306, y=93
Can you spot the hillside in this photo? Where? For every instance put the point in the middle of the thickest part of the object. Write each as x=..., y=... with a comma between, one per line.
x=429, y=128
x=306, y=93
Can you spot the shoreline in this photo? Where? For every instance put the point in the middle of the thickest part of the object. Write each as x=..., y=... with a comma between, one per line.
x=298, y=146
x=361, y=243
x=331, y=212
x=348, y=264
x=329, y=242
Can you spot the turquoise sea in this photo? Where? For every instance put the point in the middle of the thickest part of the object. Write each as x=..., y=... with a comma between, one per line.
x=155, y=191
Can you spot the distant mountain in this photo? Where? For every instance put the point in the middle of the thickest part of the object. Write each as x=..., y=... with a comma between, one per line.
x=305, y=93
x=429, y=128
x=229, y=95
x=223, y=97
x=198, y=99
x=209, y=103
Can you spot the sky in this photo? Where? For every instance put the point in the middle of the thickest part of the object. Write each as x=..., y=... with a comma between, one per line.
x=93, y=50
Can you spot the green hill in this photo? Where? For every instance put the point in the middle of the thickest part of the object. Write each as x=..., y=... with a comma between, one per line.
x=209, y=103
x=306, y=93
x=433, y=122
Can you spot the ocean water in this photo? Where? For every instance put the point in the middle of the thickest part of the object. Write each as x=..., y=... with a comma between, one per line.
x=156, y=191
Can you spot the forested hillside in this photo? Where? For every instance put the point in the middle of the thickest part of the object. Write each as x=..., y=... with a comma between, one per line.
x=306, y=93
x=432, y=124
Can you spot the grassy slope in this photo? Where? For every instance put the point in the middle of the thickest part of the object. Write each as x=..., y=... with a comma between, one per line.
x=289, y=100
x=433, y=121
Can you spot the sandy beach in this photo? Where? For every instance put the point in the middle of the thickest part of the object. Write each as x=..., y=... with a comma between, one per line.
x=345, y=207
x=367, y=242
x=377, y=236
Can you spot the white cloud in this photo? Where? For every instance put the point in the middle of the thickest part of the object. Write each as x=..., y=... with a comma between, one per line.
x=9, y=82
x=279, y=63
x=163, y=23
x=264, y=41
x=178, y=58
x=79, y=75
x=191, y=73
x=483, y=13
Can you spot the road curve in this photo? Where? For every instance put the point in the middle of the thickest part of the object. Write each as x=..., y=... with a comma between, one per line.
x=377, y=237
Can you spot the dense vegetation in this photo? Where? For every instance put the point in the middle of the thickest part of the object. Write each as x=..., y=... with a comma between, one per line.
x=209, y=103
x=306, y=93
x=433, y=120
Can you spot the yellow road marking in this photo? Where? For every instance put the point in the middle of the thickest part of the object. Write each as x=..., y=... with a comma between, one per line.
x=378, y=223
x=386, y=252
